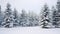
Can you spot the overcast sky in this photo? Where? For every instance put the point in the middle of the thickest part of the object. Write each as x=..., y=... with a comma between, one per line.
x=32, y=5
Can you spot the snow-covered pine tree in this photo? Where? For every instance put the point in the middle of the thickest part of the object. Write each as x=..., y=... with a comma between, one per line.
x=36, y=20
x=16, y=21
x=8, y=17
x=33, y=19
x=29, y=19
x=57, y=15
x=45, y=17
x=54, y=19
x=23, y=18
x=1, y=17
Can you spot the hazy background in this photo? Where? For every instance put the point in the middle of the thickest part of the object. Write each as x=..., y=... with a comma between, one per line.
x=27, y=5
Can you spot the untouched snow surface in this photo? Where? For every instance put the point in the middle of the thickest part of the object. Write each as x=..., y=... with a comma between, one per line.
x=29, y=30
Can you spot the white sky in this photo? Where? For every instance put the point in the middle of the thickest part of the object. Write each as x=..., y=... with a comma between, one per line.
x=32, y=5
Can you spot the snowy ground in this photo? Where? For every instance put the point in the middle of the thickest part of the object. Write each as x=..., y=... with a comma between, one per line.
x=29, y=30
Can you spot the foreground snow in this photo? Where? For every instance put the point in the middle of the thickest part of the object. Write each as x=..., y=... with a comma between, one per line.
x=29, y=30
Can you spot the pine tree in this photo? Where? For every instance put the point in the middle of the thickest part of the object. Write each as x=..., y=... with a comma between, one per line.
x=57, y=15
x=16, y=21
x=23, y=18
x=36, y=20
x=33, y=19
x=8, y=17
x=45, y=17
x=1, y=17
x=54, y=19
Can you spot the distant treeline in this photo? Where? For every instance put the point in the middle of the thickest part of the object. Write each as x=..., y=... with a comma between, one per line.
x=48, y=18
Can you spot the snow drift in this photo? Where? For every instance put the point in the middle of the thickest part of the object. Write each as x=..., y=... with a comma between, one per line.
x=29, y=30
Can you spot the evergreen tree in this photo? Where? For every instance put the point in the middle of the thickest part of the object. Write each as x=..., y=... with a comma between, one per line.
x=1, y=17
x=45, y=17
x=54, y=19
x=8, y=17
x=16, y=21
x=23, y=18
x=57, y=15
x=33, y=19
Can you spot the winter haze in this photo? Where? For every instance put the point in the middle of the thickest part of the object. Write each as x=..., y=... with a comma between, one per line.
x=28, y=5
